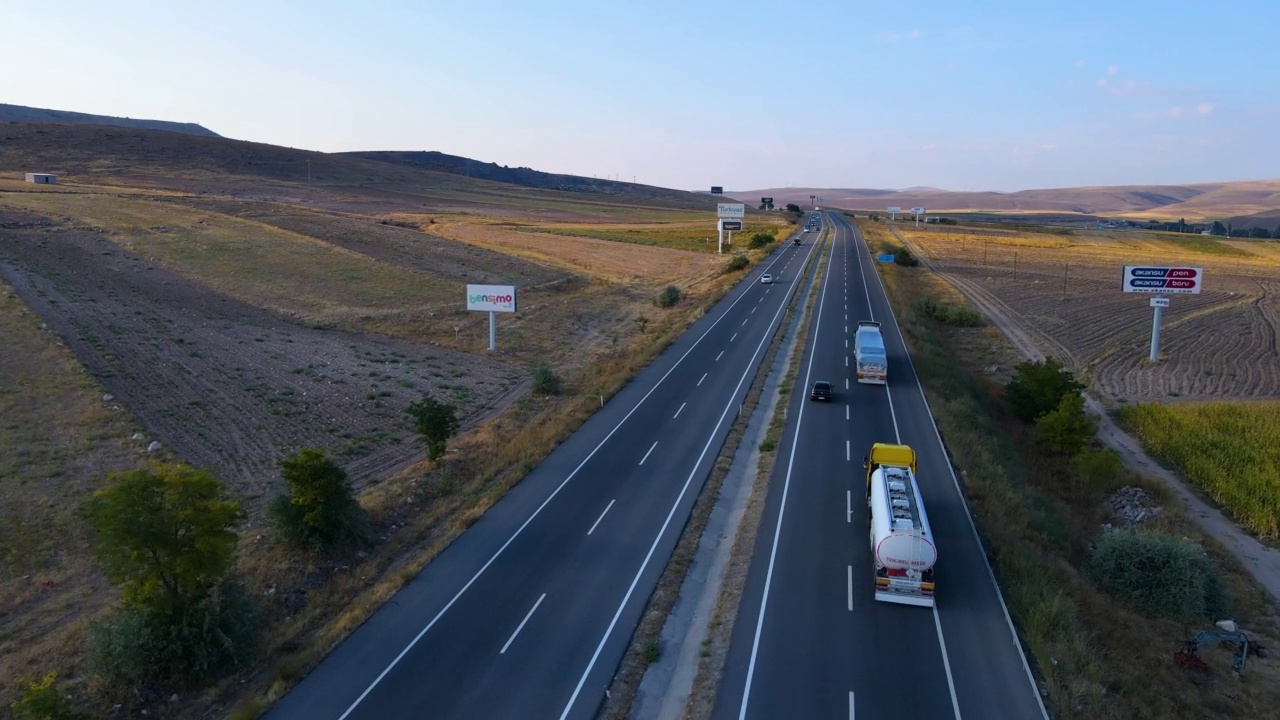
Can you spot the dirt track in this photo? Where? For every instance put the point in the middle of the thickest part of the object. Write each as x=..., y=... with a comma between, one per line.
x=229, y=386
x=1262, y=562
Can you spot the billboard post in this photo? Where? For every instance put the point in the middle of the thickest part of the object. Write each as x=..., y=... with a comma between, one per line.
x=1161, y=281
x=733, y=211
x=492, y=299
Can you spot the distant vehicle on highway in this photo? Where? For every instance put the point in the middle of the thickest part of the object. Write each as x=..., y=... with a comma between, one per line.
x=821, y=391
x=766, y=278
x=872, y=362
x=902, y=549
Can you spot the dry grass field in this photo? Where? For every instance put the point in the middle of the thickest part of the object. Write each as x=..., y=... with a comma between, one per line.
x=196, y=292
x=1221, y=344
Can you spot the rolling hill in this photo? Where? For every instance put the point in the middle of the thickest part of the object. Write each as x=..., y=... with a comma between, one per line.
x=21, y=113
x=1205, y=201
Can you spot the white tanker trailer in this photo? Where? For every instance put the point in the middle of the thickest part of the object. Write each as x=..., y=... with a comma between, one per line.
x=903, y=553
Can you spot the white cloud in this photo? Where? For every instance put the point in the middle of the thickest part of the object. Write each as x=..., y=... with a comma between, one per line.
x=930, y=146
x=894, y=36
x=914, y=34
x=1081, y=63
x=1204, y=108
x=1113, y=70
x=1176, y=112
x=1049, y=146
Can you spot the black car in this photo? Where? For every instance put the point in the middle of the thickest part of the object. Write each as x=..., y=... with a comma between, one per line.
x=821, y=391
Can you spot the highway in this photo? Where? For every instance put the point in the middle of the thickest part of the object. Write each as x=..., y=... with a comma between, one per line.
x=810, y=639
x=528, y=613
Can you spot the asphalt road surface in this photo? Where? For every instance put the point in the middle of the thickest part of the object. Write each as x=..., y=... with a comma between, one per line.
x=528, y=613
x=810, y=640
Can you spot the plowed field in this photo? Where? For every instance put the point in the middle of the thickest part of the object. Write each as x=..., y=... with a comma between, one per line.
x=1220, y=344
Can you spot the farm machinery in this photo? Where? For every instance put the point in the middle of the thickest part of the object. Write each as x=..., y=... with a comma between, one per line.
x=1189, y=656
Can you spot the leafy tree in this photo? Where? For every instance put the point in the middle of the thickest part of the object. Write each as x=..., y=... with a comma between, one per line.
x=1067, y=429
x=760, y=239
x=792, y=207
x=1218, y=228
x=319, y=509
x=164, y=535
x=1160, y=574
x=1038, y=388
x=669, y=296
x=436, y=422
x=545, y=380
x=737, y=262
x=904, y=257
x=44, y=700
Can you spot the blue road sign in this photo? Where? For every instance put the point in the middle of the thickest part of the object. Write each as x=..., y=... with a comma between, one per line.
x=884, y=258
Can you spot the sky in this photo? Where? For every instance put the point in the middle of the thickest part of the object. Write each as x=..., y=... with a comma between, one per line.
x=833, y=94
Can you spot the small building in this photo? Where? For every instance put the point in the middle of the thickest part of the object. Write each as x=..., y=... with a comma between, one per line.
x=42, y=178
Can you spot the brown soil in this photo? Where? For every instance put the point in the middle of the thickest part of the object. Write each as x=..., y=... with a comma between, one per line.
x=1260, y=561
x=1220, y=344
x=229, y=386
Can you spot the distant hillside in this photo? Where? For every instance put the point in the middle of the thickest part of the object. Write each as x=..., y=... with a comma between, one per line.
x=19, y=113
x=1193, y=202
x=211, y=164
x=523, y=176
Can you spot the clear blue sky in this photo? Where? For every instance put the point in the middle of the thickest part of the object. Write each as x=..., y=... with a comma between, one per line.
x=688, y=94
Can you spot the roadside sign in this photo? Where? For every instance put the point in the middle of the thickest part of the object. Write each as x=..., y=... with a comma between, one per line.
x=1162, y=280
x=731, y=210
x=766, y=201
x=1159, y=302
x=917, y=211
x=717, y=189
x=894, y=210
x=730, y=224
x=884, y=258
x=491, y=298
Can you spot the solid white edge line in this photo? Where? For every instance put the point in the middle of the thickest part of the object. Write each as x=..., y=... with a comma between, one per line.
x=1013, y=632
x=673, y=417
x=704, y=377
x=521, y=625
x=786, y=487
x=606, y=512
x=658, y=538
x=546, y=502
x=646, y=455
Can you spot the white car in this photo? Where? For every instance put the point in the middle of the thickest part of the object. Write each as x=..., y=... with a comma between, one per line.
x=767, y=279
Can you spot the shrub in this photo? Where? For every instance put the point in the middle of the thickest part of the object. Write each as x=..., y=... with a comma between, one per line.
x=948, y=314
x=545, y=380
x=669, y=296
x=1099, y=468
x=1067, y=429
x=436, y=422
x=1038, y=388
x=141, y=648
x=319, y=509
x=44, y=700
x=905, y=258
x=760, y=239
x=737, y=262
x=1159, y=574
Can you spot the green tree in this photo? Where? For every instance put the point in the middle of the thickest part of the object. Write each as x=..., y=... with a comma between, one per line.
x=1038, y=388
x=1218, y=228
x=760, y=239
x=1099, y=468
x=792, y=207
x=319, y=508
x=164, y=535
x=44, y=700
x=1067, y=429
x=436, y=422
